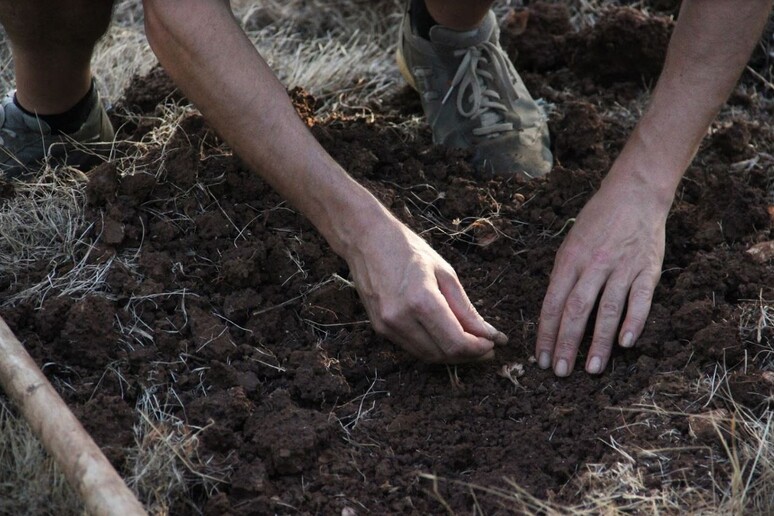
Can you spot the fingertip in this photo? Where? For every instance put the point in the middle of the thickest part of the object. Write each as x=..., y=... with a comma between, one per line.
x=594, y=365
x=627, y=340
x=494, y=334
x=544, y=359
x=562, y=368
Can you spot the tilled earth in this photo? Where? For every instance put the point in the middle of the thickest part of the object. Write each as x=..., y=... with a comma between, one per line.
x=237, y=305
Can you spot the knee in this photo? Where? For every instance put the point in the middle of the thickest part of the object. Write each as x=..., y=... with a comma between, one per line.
x=66, y=23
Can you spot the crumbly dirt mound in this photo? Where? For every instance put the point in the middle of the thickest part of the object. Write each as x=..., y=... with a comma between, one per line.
x=146, y=92
x=625, y=45
x=234, y=302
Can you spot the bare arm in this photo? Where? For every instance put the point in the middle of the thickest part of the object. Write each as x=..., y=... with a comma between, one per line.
x=412, y=295
x=616, y=248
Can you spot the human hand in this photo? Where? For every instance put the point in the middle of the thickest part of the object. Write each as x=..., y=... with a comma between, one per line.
x=613, y=253
x=414, y=298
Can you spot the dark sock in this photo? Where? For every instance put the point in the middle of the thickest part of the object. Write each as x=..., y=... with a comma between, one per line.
x=72, y=119
x=421, y=19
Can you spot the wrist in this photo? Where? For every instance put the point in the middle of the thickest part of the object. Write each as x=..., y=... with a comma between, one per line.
x=648, y=169
x=348, y=218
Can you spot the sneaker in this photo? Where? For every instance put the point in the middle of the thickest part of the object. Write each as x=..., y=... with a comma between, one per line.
x=473, y=98
x=26, y=141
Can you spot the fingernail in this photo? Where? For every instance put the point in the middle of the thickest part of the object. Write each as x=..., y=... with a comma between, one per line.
x=628, y=340
x=595, y=365
x=544, y=361
x=496, y=336
x=561, y=368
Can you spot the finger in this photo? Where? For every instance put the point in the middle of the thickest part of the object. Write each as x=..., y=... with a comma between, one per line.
x=487, y=357
x=608, y=316
x=425, y=326
x=640, y=299
x=562, y=281
x=437, y=318
x=576, y=313
x=412, y=337
x=460, y=305
x=466, y=360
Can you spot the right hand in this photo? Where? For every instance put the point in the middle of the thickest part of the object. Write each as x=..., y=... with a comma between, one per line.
x=613, y=254
x=414, y=298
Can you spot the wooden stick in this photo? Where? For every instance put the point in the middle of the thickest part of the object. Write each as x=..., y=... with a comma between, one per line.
x=85, y=467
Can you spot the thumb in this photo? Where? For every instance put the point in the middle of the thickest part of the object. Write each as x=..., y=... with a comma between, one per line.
x=463, y=309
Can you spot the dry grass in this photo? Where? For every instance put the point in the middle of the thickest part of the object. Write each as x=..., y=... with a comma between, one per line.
x=41, y=223
x=165, y=466
x=30, y=481
x=756, y=327
x=620, y=488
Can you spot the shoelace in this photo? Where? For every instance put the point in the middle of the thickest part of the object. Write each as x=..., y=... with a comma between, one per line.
x=472, y=81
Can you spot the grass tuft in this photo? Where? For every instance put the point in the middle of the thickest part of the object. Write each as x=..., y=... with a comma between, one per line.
x=30, y=481
x=166, y=469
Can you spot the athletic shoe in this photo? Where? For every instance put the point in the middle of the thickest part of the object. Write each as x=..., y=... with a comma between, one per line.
x=473, y=98
x=26, y=141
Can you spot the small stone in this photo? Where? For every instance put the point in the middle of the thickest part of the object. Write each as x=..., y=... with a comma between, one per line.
x=762, y=252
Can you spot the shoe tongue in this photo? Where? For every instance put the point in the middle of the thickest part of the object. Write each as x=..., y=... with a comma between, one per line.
x=463, y=39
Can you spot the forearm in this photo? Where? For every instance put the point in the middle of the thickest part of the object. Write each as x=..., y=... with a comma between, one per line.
x=411, y=294
x=217, y=67
x=711, y=44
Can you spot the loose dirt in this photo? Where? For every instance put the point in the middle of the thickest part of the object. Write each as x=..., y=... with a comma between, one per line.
x=236, y=304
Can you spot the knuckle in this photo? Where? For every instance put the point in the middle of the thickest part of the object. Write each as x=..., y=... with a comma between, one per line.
x=636, y=320
x=449, y=271
x=552, y=306
x=545, y=343
x=568, y=253
x=602, y=344
x=641, y=294
x=601, y=259
x=565, y=349
x=609, y=309
x=390, y=316
x=575, y=308
x=545, y=339
x=420, y=302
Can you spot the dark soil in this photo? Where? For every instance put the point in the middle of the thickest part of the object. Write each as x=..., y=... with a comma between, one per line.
x=312, y=411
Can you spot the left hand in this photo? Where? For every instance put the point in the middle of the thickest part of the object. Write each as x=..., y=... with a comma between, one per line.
x=614, y=250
